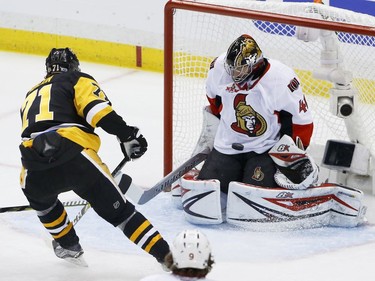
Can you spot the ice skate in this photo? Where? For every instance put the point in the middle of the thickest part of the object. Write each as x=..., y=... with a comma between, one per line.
x=73, y=255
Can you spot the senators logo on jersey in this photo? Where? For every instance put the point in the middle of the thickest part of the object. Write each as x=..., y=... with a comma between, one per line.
x=258, y=175
x=249, y=122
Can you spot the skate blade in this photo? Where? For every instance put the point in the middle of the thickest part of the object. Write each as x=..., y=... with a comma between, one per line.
x=79, y=261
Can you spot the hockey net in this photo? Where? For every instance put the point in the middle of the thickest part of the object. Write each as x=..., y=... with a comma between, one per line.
x=198, y=31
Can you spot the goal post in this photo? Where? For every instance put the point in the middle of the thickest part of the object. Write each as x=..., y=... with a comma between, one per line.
x=332, y=51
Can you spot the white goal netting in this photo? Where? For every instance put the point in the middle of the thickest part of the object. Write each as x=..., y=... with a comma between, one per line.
x=198, y=37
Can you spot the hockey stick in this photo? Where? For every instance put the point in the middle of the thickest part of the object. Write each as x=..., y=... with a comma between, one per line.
x=141, y=197
x=72, y=203
x=87, y=206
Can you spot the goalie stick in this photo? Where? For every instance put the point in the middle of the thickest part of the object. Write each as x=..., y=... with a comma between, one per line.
x=141, y=197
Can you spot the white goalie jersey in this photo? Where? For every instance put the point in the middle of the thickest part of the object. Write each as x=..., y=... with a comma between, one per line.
x=252, y=114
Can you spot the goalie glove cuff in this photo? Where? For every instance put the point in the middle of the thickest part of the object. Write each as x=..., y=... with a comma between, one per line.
x=305, y=176
x=295, y=169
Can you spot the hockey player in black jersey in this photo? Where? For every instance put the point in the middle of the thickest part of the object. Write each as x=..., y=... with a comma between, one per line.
x=59, y=153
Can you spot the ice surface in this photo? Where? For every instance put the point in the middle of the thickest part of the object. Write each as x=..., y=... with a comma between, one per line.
x=25, y=251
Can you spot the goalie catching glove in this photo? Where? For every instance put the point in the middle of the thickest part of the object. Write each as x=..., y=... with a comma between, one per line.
x=135, y=145
x=295, y=169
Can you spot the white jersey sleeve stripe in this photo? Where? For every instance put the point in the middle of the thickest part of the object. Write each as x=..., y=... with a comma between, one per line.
x=93, y=111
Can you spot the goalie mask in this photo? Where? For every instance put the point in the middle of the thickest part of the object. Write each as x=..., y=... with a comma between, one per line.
x=244, y=59
x=191, y=249
x=61, y=60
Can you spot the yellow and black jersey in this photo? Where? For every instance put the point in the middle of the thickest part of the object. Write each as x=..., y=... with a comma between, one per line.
x=70, y=103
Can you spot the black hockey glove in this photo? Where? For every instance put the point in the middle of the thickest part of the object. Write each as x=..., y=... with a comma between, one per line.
x=135, y=145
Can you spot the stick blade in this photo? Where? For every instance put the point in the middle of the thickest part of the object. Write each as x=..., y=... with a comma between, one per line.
x=172, y=177
x=134, y=193
x=15, y=209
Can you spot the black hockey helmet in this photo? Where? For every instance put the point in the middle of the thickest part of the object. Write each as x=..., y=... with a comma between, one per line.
x=244, y=59
x=61, y=60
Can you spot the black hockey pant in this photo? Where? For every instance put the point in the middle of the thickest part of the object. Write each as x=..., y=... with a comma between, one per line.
x=250, y=167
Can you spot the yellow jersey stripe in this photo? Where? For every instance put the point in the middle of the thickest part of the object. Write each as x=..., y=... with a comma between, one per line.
x=152, y=243
x=57, y=221
x=86, y=140
x=139, y=230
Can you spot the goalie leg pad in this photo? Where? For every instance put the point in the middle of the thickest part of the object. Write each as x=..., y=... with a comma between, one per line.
x=348, y=209
x=176, y=190
x=176, y=195
x=278, y=209
x=201, y=201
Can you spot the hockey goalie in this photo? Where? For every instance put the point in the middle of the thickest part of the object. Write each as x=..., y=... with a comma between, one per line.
x=257, y=172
